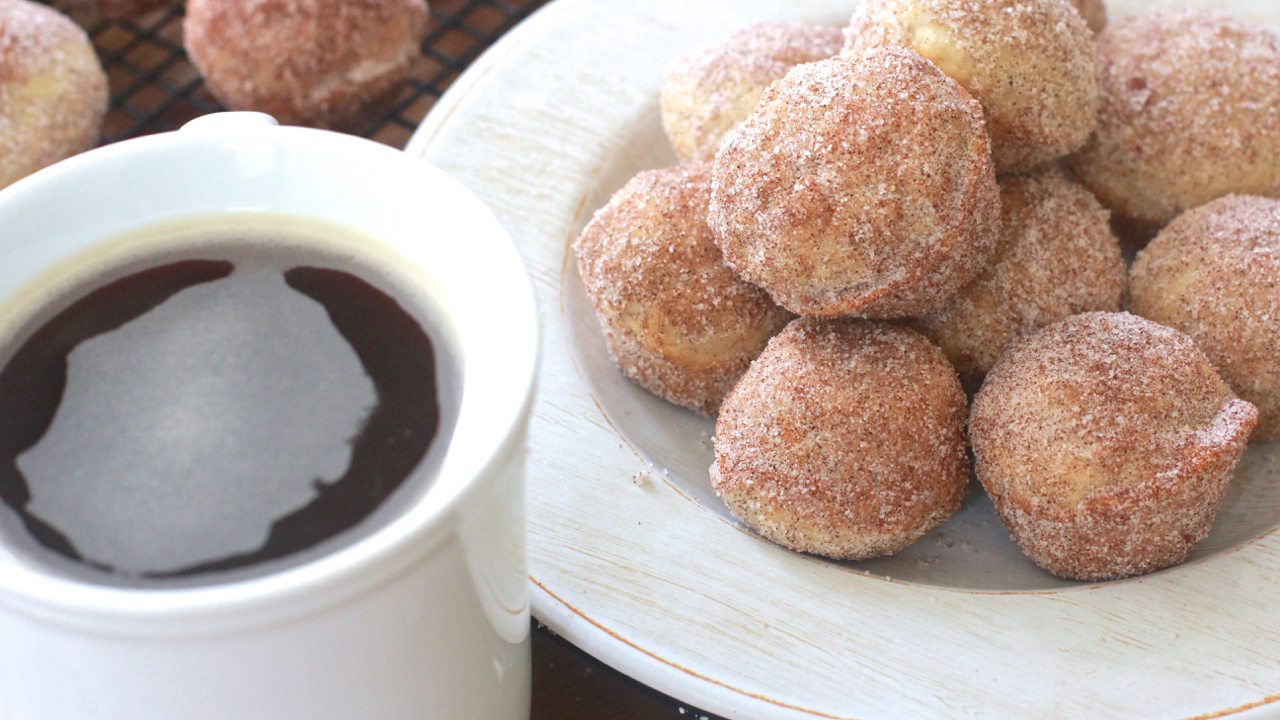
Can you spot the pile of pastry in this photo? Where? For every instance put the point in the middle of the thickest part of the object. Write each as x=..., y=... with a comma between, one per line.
x=867, y=222
x=303, y=61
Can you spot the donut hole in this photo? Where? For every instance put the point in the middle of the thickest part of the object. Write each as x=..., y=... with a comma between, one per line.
x=673, y=447
x=53, y=91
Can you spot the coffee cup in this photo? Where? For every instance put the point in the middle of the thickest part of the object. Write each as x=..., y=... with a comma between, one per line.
x=163, y=305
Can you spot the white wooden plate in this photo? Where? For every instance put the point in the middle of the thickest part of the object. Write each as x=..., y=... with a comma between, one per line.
x=633, y=558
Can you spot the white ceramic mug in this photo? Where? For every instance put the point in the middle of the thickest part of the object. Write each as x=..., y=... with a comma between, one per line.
x=427, y=617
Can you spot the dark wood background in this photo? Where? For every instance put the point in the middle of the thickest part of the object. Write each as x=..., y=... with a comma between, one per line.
x=568, y=684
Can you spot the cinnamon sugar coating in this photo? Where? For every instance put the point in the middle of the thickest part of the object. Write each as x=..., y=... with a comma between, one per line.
x=1094, y=13
x=53, y=92
x=307, y=62
x=1031, y=63
x=844, y=439
x=1057, y=257
x=1214, y=273
x=1106, y=442
x=858, y=187
x=1189, y=114
x=676, y=320
x=707, y=92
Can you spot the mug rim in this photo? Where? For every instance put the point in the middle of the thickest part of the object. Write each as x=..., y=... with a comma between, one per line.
x=386, y=551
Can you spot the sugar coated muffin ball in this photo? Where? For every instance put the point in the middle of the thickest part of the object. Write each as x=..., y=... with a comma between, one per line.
x=1031, y=63
x=858, y=187
x=706, y=92
x=844, y=439
x=53, y=92
x=1106, y=442
x=1094, y=13
x=676, y=320
x=1189, y=114
x=1057, y=257
x=307, y=62
x=1214, y=273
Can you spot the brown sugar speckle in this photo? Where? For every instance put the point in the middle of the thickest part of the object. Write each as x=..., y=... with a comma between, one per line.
x=1214, y=273
x=675, y=318
x=1057, y=257
x=844, y=439
x=1190, y=112
x=53, y=92
x=707, y=92
x=1106, y=442
x=1031, y=63
x=860, y=186
x=307, y=62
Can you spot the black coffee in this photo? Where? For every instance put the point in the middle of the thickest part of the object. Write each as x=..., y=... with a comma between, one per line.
x=186, y=435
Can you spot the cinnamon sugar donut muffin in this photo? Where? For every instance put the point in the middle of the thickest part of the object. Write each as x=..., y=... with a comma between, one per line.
x=858, y=187
x=1189, y=114
x=1094, y=13
x=1057, y=257
x=1106, y=442
x=676, y=320
x=1031, y=63
x=307, y=62
x=844, y=439
x=708, y=91
x=1214, y=273
x=53, y=92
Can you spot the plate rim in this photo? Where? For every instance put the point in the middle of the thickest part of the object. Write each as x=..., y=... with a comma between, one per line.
x=614, y=645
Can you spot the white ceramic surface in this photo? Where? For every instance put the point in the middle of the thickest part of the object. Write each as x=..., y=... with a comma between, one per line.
x=634, y=559
x=427, y=616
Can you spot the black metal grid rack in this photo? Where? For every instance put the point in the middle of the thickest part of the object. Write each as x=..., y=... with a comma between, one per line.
x=154, y=87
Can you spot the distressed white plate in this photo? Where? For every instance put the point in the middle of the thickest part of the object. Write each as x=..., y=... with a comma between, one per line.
x=633, y=558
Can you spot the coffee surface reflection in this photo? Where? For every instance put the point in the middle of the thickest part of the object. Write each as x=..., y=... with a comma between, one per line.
x=208, y=415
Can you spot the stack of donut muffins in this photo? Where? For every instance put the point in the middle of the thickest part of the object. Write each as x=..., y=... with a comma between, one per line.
x=868, y=223
x=307, y=62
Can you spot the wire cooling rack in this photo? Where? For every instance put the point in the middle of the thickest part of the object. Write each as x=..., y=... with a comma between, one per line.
x=154, y=87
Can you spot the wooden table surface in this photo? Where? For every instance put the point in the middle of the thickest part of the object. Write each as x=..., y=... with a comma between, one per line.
x=155, y=88
x=569, y=684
